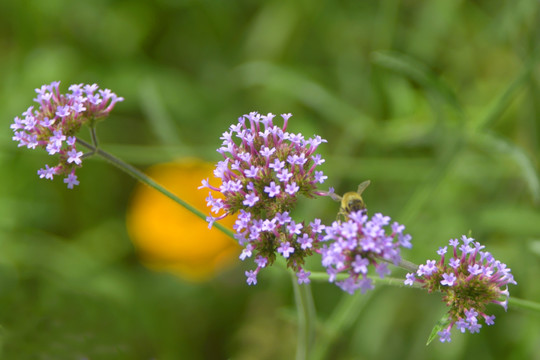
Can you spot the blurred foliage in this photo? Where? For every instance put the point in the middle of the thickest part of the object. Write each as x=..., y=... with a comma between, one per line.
x=436, y=102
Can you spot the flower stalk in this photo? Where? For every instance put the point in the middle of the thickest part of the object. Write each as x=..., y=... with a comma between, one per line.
x=145, y=179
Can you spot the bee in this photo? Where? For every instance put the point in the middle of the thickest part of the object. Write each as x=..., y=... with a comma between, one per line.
x=352, y=201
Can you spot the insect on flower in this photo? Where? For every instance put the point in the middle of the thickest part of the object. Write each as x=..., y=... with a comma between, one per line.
x=352, y=201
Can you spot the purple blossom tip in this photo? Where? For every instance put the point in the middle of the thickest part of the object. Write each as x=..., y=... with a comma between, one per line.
x=470, y=280
x=357, y=244
x=52, y=124
x=264, y=171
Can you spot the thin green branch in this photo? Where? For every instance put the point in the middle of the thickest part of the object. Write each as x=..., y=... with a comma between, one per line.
x=139, y=175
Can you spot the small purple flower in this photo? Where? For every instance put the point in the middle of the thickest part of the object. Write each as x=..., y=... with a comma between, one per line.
x=62, y=111
x=285, y=249
x=360, y=265
x=474, y=327
x=449, y=279
x=71, y=180
x=251, y=277
x=320, y=177
x=32, y=141
x=442, y=251
x=71, y=140
x=277, y=165
x=18, y=124
x=272, y=190
x=444, y=335
x=267, y=152
x=303, y=276
x=410, y=279
x=475, y=269
x=461, y=325
x=294, y=228
x=283, y=218
x=316, y=226
x=305, y=242
x=454, y=263
x=53, y=148
x=470, y=281
x=252, y=172
x=246, y=252
x=251, y=199
x=291, y=188
x=427, y=269
x=57, y=138
x=31, y=123
x=47, y=173
x=78, y=107
x=297, y=160
x=94, y=100
x=489, y=319
x=74, y=156
x=284, y=175
x=261, y=261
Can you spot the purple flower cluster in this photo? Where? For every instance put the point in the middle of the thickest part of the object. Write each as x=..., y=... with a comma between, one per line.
x=471, y=280
x=358, y=243
x=265, y=169
x=54, y=123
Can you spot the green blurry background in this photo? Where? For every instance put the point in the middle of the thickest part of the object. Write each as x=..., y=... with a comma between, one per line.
x=437, y=102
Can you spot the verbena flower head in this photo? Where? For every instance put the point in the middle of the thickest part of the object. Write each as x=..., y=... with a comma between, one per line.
x=469, y=281
x=264, y=171
x=360, y=244
x=55, y=121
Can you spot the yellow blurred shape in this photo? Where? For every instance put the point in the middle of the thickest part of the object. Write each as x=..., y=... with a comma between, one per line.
x=169, y=237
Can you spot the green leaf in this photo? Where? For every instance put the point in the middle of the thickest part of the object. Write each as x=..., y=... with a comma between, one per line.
x=440, y=326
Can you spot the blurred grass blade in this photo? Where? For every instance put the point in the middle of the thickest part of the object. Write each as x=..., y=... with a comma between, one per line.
x=342, y=318
x=518, y=155
x=503, y=101
x=307, y=318
x=296, y=86
x=426, y=189
x=158, y=118
x=419, y=73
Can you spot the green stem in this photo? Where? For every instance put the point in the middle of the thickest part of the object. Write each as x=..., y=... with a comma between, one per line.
x=306, y=318
x=139, y=175
x=94, y=137
x=321, y=276
x=516, y=302
x=404, y=264
x=524, y=304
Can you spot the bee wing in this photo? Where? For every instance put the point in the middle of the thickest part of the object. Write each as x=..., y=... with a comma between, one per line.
x=363, y=186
